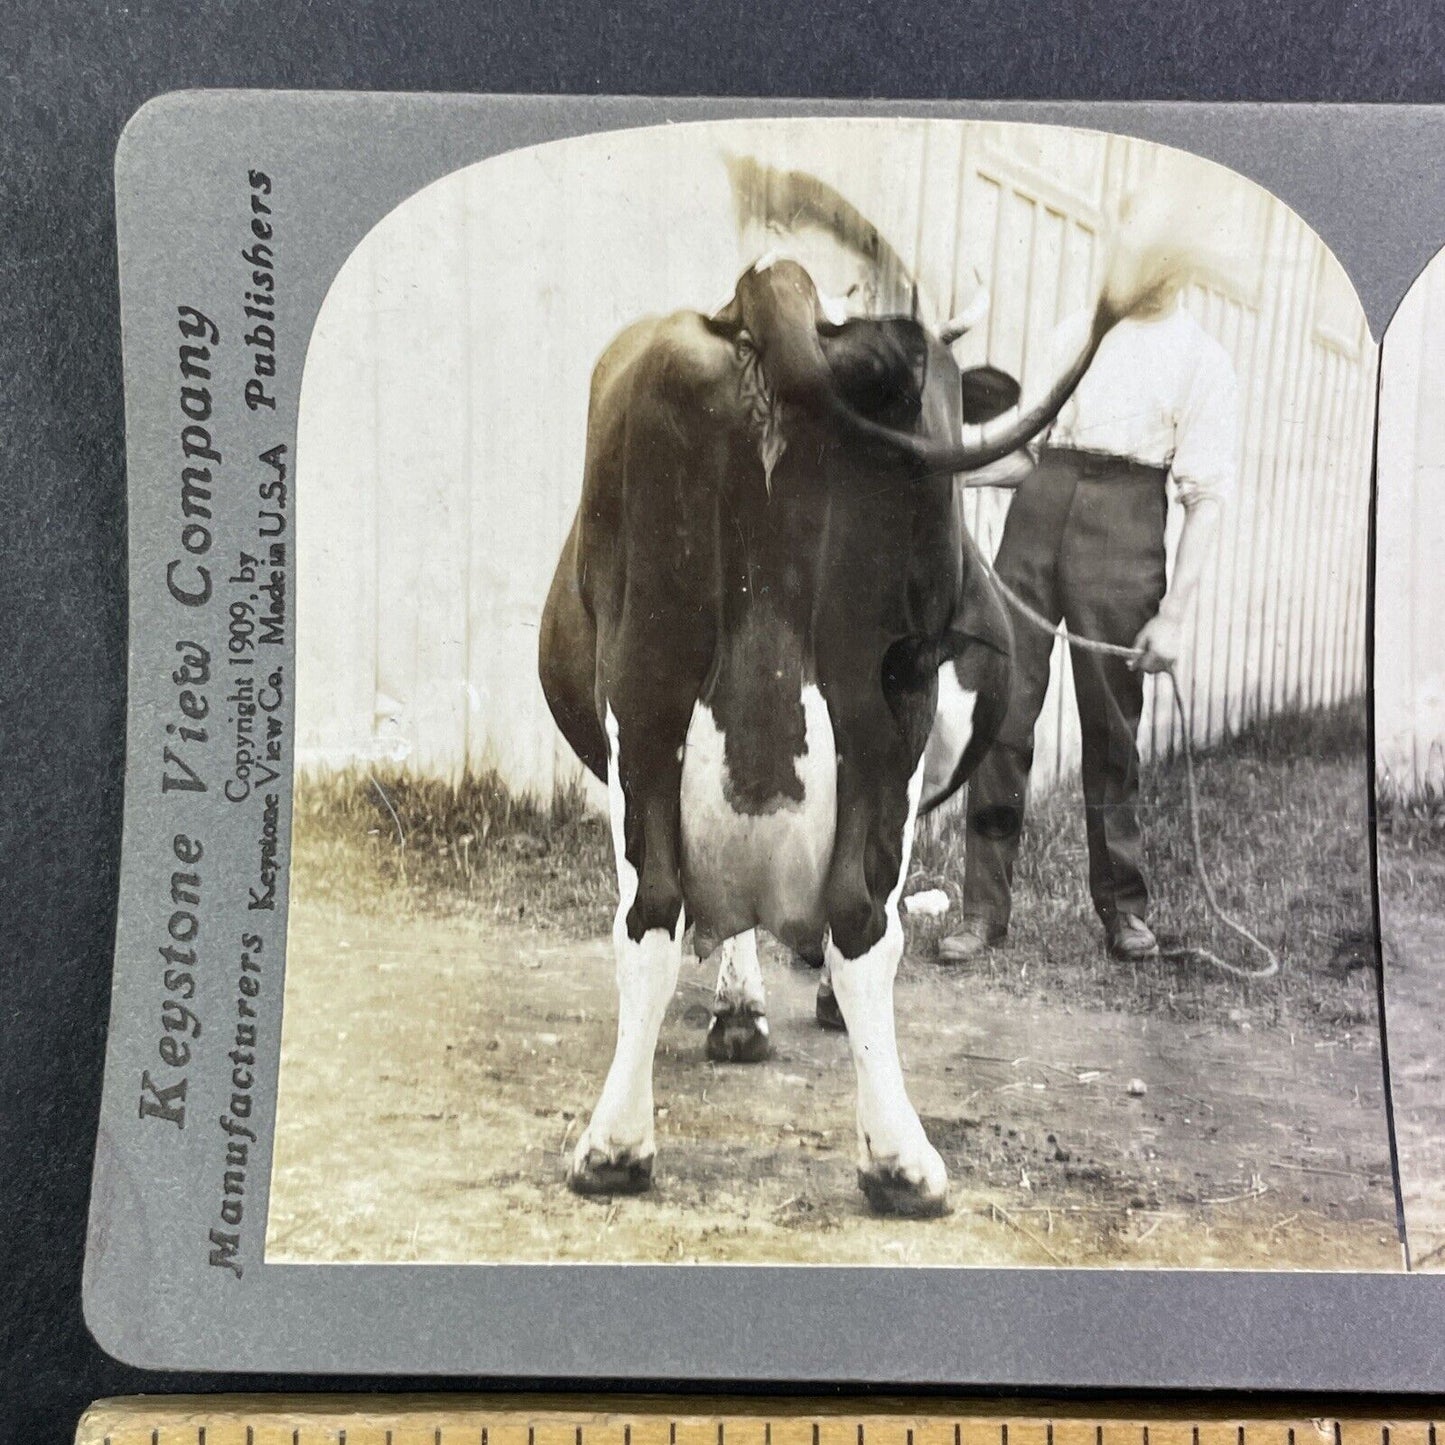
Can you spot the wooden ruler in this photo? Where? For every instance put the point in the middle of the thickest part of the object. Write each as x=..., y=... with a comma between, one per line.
x=544, y=1420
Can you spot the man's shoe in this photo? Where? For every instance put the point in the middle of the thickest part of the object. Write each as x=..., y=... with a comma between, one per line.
x=973, y=939
x=1131, y=940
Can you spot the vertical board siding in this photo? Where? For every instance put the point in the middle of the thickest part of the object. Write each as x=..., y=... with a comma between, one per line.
x=444, y=405
x=1410, y=541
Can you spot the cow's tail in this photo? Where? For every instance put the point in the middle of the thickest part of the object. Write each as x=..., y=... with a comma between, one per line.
x=777, y=304
x=997, y=439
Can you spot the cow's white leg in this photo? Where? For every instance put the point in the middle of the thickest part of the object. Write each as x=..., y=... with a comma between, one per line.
x=616, y=1150
x=898, y=1169
x=738, y=1031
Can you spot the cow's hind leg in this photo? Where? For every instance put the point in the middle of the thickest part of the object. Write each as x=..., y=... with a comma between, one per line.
x=738, y=1031
x=825, y=1007
x=616, y=1150
x=899, y=1171
x=567, y=662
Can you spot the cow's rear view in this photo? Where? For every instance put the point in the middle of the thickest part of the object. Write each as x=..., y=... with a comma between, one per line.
x=744, y=636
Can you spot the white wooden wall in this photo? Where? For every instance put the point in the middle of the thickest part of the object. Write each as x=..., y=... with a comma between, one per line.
x=444, y=403
x=1410, y=541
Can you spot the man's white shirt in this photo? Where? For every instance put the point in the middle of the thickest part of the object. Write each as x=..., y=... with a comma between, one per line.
x=1161, y=392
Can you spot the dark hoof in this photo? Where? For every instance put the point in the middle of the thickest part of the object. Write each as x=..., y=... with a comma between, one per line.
x=597, y=1174
x=889, y=1192
x=827, y=1012
x=738, y=1038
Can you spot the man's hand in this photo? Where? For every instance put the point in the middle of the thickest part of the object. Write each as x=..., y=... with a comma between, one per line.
x=1161, y=640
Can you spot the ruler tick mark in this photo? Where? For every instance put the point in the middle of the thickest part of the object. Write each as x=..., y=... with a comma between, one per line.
x=246, y=1428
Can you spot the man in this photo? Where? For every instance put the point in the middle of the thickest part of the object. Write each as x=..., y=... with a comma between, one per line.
x=1084, y=542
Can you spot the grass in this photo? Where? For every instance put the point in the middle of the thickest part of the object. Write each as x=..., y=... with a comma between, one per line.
x=387, y=842
x=1411, y=819
x=1284, y=822
x=1411, y=830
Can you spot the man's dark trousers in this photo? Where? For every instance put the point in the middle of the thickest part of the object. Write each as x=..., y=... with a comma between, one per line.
x=1084, y=542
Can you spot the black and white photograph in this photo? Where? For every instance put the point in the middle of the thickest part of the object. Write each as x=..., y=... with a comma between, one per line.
x=1409, y=690
x=831, y=717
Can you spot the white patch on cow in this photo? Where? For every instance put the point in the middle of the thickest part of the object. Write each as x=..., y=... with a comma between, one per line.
x=621, y=1125
x=617, y=817
x=758, y=869
x=766, y=261
x=952, y=731
x=890, y=1137
x=740, y=979
x=834, y=308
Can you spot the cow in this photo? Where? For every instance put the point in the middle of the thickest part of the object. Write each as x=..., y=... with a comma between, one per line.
x=767, y=571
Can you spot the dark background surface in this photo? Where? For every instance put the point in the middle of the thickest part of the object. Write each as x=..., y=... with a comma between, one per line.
x=70, y=76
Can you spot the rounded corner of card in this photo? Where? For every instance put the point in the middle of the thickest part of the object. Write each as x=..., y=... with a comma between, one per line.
x=421, y=800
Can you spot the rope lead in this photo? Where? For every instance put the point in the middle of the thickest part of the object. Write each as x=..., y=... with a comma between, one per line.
x=1113, y=649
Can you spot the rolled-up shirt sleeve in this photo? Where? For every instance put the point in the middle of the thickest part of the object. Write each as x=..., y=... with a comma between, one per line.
x=1206, y=450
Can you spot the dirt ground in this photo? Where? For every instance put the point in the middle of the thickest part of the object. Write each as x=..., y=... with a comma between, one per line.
x=1412, y=905
x=435, y=1072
